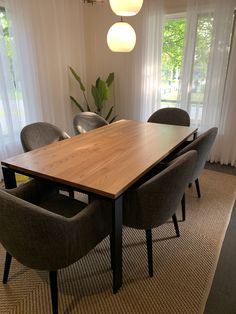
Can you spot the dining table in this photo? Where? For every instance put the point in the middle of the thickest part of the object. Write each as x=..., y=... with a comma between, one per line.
x=104, y=162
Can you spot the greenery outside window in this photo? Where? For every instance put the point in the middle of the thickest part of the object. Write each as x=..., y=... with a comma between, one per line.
x=174, y=34
x=11, y=100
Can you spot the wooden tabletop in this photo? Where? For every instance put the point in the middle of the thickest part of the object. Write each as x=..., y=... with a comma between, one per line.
x=105, y=161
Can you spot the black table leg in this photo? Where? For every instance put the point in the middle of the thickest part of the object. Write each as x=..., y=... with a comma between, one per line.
x=9, y=178
x=116, y=243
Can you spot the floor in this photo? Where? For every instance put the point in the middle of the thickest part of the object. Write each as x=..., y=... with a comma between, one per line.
x=221, y=168
x=222, y=298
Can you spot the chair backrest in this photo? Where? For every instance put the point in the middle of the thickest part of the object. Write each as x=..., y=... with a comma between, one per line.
x=202, y=145
x=86, y=121
x=39, y=134
x=156, y=200
x=41, y=239
x=175, y=116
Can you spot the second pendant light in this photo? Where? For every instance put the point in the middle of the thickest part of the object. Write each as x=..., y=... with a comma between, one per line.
x=121, y=36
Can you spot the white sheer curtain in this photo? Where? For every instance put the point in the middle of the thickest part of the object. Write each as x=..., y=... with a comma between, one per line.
x=225, y=148
x=220, y=14
x=209, y=112
x=209, y=107
x=12, y=117
x=147, y=60
x=48, y=37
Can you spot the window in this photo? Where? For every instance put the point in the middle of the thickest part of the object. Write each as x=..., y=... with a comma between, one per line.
x=200, y=65
x=173, y=60
x=11, y=101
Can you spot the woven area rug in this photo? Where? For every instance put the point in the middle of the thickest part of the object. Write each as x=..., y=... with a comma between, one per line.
x=183, y=267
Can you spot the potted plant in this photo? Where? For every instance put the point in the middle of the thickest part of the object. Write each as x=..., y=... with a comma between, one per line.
x=99, y=91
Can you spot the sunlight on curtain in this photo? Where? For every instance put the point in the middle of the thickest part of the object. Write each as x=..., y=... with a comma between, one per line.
x=147, y=61
x=12, y=114
x=49, y=37
x=34, y=81
x=224, y=150
x=202, y=77
x=203, y=82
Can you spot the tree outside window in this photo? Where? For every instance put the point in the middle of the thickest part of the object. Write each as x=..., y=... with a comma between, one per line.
x=173, y=58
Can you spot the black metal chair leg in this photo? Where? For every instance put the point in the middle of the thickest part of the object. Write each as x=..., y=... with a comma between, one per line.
x=54, y=292
x=7, y=267
x=176, y=225
x=198, y=188
x=149, y=251
x=183, y=207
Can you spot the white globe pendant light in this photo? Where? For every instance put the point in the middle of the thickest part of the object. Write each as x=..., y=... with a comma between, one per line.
x=121, y=37
x=126, y=7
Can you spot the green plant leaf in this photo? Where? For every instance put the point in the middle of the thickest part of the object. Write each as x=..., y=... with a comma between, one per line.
x=97, y=98
x=88, y=108
x=97, y=81
x=109, y=113
x=112, y=119
x=103, y=90
x=75, y=102
x=76, y=76
x=110, y=78
x=99, y=91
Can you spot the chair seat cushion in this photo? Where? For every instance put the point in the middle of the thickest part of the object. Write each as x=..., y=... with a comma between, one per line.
x=63, y=205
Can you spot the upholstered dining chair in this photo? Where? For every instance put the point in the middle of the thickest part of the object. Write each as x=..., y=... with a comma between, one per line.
x=39, y=134
x=152, y=203
x=202, y=144
x=48, y=231
x=86, y=121
x=174, y=116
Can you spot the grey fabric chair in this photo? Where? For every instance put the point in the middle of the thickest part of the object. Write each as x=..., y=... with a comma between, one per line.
x=39, y=134
x=175, y=116
x=202, y=145
x=86, y=121
x=47, y=231
x=152, y=203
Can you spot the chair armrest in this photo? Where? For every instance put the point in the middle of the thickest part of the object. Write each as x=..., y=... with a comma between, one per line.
x=93, y=223
x=34, y=191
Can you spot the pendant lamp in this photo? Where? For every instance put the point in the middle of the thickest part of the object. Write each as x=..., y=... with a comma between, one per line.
x=126, y=7
x=121, y=37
